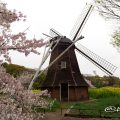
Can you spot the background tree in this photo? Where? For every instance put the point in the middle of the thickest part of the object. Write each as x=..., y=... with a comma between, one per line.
x=13, y=69
x=24, y=75
x=110, y=10
x=104, y=81
x=116, y=39
x=37, y=84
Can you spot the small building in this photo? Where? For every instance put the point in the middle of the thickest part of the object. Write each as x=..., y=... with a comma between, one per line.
x=64, y=80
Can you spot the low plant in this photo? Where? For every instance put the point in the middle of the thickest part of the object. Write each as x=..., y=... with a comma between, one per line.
x=105, y=92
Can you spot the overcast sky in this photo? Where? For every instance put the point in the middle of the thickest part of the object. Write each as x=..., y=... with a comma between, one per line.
x=61, y=15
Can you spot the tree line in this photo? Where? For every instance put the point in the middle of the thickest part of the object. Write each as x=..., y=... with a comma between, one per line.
x=104, y=81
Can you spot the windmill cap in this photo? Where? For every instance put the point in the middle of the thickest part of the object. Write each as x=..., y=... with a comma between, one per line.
x=63, y=39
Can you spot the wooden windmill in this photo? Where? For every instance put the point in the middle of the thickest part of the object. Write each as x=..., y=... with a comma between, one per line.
x=64, y=80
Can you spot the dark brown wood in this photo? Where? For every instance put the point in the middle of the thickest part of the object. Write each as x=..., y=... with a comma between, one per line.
x=64, y=75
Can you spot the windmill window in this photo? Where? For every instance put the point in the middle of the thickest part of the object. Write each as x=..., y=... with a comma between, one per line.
x=63, y=64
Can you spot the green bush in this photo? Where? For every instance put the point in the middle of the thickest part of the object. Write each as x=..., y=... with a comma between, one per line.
x=104, y=81
x=53, y=105
x=38, y=82
x=13, y=69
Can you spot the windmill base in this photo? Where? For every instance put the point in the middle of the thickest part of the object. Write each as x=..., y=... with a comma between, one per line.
x=70, y=93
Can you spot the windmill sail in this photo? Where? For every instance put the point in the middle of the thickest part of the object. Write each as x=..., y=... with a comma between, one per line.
x=54, y=33
x=82, y=19
x=97, y=60
x=45, y=56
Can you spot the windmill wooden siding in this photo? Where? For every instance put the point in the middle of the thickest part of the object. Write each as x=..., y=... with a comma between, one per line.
x=65, y=84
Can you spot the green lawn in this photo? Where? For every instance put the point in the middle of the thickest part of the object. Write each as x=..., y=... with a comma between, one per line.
x=94, y=107
x=100, y=98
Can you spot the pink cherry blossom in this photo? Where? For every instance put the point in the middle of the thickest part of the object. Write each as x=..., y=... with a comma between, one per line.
x=19, y=41
x=15, y=101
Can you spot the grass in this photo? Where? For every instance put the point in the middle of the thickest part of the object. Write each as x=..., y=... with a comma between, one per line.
x=52, y=107
x=102, y=103
x=53, y=104
x=36, y=91
x=101, y=98
x=96, y=107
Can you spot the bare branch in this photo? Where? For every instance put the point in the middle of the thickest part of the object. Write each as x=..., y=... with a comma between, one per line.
x=110, y=9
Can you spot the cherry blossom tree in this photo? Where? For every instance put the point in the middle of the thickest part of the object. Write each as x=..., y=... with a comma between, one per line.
x=25, y=79
x=16, y=103
x=19, y=41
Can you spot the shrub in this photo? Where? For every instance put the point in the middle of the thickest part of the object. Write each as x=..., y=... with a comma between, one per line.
x=104, y=92
x=39, y=81
x=13, y=69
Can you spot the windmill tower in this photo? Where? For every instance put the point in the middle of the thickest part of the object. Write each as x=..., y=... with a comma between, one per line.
x=64, y=80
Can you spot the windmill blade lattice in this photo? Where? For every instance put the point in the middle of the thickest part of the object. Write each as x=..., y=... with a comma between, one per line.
x=45, y=56
x=54, y=33
x=82, y=19
x=97, y=60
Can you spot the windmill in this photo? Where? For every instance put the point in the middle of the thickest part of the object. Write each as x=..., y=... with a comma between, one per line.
x=64, y=80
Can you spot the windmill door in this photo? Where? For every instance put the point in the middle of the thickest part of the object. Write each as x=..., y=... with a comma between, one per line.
x=64, y=92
